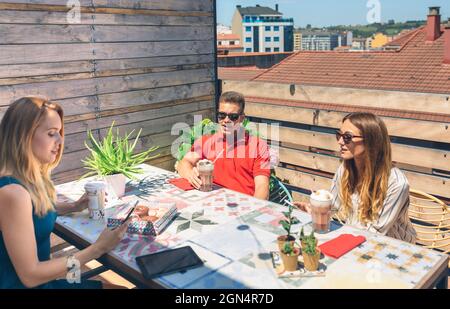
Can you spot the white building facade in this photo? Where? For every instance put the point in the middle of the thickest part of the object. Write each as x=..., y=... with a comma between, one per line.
x=263, y=29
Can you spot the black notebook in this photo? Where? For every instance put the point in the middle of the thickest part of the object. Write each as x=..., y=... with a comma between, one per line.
x=168, y=261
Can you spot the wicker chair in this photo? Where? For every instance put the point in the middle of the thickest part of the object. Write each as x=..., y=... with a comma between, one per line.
x=431, y=219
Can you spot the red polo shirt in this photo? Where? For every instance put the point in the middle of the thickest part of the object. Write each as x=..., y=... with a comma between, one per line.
x=238, y=161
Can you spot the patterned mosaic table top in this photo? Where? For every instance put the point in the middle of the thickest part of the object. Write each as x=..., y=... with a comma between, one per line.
x=235, y=242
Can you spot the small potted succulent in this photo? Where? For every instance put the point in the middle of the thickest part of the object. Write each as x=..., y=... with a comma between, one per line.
x=310, y=252
x=289, y=256
x=113, y=158
x=287, y=225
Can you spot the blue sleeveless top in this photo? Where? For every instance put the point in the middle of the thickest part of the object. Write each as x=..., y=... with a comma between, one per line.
x=43, y=227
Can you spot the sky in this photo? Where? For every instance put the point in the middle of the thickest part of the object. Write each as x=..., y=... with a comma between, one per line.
x=321, y=13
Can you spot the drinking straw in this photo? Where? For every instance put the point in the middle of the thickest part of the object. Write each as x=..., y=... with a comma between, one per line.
x=218, y=156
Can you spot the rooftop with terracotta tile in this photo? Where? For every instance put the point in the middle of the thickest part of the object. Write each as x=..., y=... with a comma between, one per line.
x=239, y=73
x=227, y=36
x=416, y=66
x=254, y=54
x=383, y=112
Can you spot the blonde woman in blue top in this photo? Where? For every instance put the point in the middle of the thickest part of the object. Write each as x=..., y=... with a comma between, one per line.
x=31, y=144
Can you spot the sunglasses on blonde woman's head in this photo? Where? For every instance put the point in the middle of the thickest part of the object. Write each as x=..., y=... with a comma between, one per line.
x=346, y=137
x=232, y=116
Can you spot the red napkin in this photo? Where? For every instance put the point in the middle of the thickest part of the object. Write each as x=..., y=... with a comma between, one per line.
x=181, y=183
x=341, y=245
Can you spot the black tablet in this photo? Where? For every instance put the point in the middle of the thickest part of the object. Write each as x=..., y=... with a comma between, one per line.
x=168, y=261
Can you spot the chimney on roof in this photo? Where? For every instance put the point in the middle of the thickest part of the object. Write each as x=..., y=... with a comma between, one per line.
x=238, y=6
x=447, y=43
x=257, y=5
x=433, y=24
x=276, y=7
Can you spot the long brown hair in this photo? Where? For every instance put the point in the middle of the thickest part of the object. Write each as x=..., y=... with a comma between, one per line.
x=372, y=183
x=17, y=129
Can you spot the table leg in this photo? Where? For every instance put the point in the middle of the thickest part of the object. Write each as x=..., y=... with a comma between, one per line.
x=443, y=282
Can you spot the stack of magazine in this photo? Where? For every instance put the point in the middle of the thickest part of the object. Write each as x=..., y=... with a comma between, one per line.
x=169, y=211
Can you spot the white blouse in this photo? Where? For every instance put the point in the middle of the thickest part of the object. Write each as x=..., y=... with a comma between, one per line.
x=393, y=220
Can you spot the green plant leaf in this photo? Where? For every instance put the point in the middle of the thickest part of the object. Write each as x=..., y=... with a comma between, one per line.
x=285, y=225
x=310, y=244
x=286, y=214
x=114, y=154
x=294, y=220
x=288, y=248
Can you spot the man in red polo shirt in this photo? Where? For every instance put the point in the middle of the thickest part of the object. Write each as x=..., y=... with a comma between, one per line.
x=242, y=161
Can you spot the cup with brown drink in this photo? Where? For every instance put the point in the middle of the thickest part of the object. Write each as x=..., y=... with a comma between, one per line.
x=205, y=170
x=321, y=201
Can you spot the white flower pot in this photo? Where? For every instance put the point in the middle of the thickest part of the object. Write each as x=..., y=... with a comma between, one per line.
x=117, y=184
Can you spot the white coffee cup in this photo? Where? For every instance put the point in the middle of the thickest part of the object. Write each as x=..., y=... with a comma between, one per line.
x=96, y=194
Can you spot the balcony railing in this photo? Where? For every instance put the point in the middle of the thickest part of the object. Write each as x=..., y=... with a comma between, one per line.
x=308, y=152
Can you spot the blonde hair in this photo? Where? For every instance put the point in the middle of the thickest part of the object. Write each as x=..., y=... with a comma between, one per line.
x=372, y=183
x=17, y=129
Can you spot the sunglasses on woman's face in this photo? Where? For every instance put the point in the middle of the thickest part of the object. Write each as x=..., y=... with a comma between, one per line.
x=346, y=137
x=231, y=116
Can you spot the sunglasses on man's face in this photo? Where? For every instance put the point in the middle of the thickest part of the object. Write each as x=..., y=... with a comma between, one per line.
x=346, y=137
x=231, y=116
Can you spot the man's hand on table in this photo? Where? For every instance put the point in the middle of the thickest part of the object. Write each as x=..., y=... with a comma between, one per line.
x=193, y=178
x=188, y=170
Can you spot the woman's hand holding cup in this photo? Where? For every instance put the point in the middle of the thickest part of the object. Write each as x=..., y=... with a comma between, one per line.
x=303, y=206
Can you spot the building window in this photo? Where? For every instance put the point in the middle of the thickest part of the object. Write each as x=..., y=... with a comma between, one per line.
x=248, y=28
x=268, y=39
x=220, y=42
x=248, y=39
x=276, y=39
x=248, y=50
x=268, y=50
x=276, y=49
x=276, y=28
x=268, y=28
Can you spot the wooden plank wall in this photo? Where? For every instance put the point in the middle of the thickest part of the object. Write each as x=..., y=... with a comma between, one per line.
x=309, y=152
x=143, y=64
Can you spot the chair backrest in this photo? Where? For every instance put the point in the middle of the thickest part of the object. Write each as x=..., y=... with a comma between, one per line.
x=278, y=192
x=431, y=219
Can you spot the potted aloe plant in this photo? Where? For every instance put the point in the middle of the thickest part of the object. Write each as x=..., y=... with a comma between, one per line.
x=310, y=252
x=114, y=159
x=289, y=256
x=287, y=225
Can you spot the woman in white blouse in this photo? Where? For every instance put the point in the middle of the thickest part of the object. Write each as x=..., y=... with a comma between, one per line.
x=368, y=191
